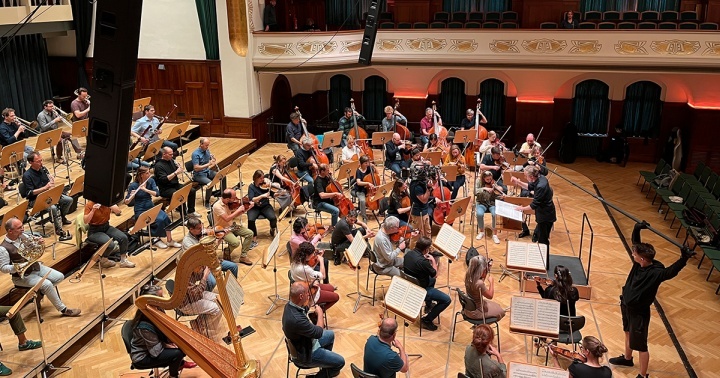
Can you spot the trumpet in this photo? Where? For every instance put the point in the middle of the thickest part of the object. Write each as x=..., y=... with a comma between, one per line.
x=29, y=126
x=31, y=249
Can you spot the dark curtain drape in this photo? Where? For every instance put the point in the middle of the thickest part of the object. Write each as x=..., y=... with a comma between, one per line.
x=496, y=5
x=459, y=5
x=336, y=11
x=340, y=93
x=617, y=5
x=658, y=5
x=24, y=75
x=82, y=22
x=452, y=101
x=374, y=97
x=593, y=5
x=492, y=94
x=591, y=106
x=642, y=109
x=208, y=27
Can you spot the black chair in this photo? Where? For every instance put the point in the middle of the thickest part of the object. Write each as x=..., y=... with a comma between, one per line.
x=387, y=25
x=631, y=16
x=687, y=16
x=509, y=25
x=386, y=16
x=476, y=16
x=690, y=26
x=371, y=269
x=593, y=16
x=606, y=25
x=467, y=303
x=292, y=357
x=441, y=16
x=509, y=16
x=707, y=26
x=358, y=373
x=420, y=25
x=127, y=333
x=493, y=16
x=491, y=25
x=473, y=25
x=549, y=25
x=404, y=25
x=587, y=25
x=667, y=25
x=438, y=25
x=459, y=17
x=626, y=25
x=649, y=16
x=611, y=16
x=671, y=16
x=647, y=25
x=574, y=323
x=455, y=25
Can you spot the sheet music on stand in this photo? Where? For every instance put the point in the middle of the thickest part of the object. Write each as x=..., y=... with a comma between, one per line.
x=535, y=316
x=356, y=250
x=527, y=257
x=405, y=298
x=520, y=370
x=449, y=241
x=507, y=210
x=235, y=292
x=271, y=250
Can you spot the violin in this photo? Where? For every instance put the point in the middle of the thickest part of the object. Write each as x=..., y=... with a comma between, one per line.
x=404, y=233
x=315, y=229
x=567, y=353
x=544, y=281
x=235, y=203
x=219, y=232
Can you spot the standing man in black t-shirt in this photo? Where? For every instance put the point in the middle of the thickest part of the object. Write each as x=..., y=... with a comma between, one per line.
x=323, y=200
x=344, y=233
x=420, y=264
x=542, y=204
x=420, y=193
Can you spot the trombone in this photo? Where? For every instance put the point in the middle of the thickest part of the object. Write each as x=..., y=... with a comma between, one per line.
x=29, y=126
x=66, y=117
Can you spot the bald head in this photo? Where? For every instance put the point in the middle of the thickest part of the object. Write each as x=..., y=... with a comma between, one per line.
x=12, y=223
x=298, y=292
x=530, y=138
x=387, y=329
x=396, y=138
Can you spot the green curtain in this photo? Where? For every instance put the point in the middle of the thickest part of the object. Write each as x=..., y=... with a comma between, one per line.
x=496, y=5
x=642, y=109
x=459, y=5
x=374, y=97
x=492, y=94
x=617, y=5
x=343, y=14
x=82, y=22
x=339, y=97
x=207, y=14
x=591, y=106
x=24, y=75
x=452, y=101
x=593, y=5
x=658, y=5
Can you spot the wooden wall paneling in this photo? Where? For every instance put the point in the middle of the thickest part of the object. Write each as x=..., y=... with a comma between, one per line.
x=712, y=13
x=562, y=114
x=536, y=12
x=530, y=117
x=259, y=128
x=320, y=106
x=237, y=127
x=691, y=5
x=510, y=111
x=215, y=92
x=700, y=138
x=412, y=11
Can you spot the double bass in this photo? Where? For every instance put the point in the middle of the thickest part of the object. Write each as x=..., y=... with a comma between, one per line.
x=360, y=135
x=343, y=203
x=404, y=132
x=320, y=156
x=441, y=132
x=480, y=135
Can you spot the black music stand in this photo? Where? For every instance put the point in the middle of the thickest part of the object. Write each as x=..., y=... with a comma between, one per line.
x=271, y=253
x=43, y=202
x=144, y=221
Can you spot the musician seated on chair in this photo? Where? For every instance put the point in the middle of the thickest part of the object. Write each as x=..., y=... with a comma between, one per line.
x=203, y=161
x=344, y=233
x=457, y=159
x=302, y=268
x=312, y=342
x=493, y=162
x=49, y=119
x=150, y=348
x=304, y=166
x=420, y=264
x=322, y=199
x=147, y=128
x=361, y=188
x=196, y=231
x=203, y=303
x=167, y=177
x=225, y=212
x=478, y=361
x=280, y=179
x=537, y=160
x=527, y=147
x=486, y=192
x=345, y=123
x=12, y=131
x=388, y=257
x=294, y=132
x=469, y=121
x=18, y=327
x=399, y=203
x=36, y=180
x=97, y=217
x=299, y=235
x=480, y=287
x=11, y=252
x=142, y=191
x=259, y=192
x=396, y=154
x=426, y=123
x=351, y=152
x=379, y=358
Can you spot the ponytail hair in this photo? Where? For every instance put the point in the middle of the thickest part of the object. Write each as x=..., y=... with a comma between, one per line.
x=594, y=346
x=482, y=337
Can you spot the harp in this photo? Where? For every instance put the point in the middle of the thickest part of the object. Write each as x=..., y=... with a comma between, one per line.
x=213, y=358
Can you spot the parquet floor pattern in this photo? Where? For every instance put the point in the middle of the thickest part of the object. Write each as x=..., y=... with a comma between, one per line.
x=689, y=301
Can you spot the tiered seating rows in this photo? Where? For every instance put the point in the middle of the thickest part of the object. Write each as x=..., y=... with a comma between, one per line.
x=456, y=20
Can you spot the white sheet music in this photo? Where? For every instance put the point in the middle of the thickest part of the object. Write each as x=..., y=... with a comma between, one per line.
x=405, y=298
x=235, y=292
x=535, y=316
x=271, y=249
x=522, y=314
x=449, y=240
x=520, y=370
x=536, y=255
x=516, y=253
x=507, y=210
x=547, y=318
x=526, y=256
x=357, y=249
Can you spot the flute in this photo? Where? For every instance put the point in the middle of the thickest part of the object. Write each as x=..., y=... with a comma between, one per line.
x=134, y=192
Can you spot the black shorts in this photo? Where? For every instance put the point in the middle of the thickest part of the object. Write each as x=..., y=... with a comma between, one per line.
x=636, y=323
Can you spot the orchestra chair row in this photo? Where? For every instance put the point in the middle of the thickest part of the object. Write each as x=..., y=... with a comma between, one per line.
x=652, y=16
x=508, y=16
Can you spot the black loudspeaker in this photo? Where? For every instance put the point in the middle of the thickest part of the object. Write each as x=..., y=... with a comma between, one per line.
x=371, y=25
x=117, y=33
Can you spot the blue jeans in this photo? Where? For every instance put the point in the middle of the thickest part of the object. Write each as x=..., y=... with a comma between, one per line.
x=480, y=211
x=136, y=163
x=396, y=167
x=329, y=362
x=305, y=176
x=330, y=209
x=224, y=265
x=424, y=139
x=456, y=185
x=442, y=300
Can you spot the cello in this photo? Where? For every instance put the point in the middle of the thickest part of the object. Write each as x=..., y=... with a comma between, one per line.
x=360, y=135
x=480, y=135
x=404, y=132
x=343, y=203
x=442, y=208
x=441, y=132
x=373, y=178
x=320, y=156
x=295, y=188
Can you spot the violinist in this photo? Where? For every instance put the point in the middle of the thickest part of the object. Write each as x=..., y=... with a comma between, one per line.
x=395, y=152
x=490, y=142
x=469, y=121
x=537, y=160
x=345, y=123
x=493, y=162
x=426, y=124
x=322, y=199
x=280, y=178
x=478, y=355
x=433, y=144
x=306, y=161
x=399, y=202
x=387, y=122
x=389, y=261
x=486, y=192
x=417, y=159
x=351, y=152
x=225, y=211
x=344, y=233
x=593, y=350
x=480, y=288
x=259, y=193
x=302, y=269
x=527, y=148
x=361, y=187
x=560, y=289
x=456, y=158
x=301, y=234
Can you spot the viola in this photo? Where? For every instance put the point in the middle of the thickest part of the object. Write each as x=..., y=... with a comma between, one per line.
x=343, y=203
x=294, y=189
x=316, y=229
x=404, y=233
x=245, y=202
x=567, y=353
x=545, y=281
x=442, y=208
x=374, y=178
x=219, y=232
x=359, y=134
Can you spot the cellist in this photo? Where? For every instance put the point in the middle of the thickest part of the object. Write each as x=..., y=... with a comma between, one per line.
x=321, y=199
x=345, y=123
x=361, y=187
x=305, y=164
x=351, y=152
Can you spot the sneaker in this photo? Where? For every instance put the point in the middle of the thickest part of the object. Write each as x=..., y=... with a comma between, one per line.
x=244, y=260
x=480, y=236
x=194, y=214
x=125, y=263
x=496, y=240
x=106, y=263
x=30, y=344
x=160, y=244
x=4, y=370
x=174, y=244
x=428, y=324
x=63, y=236
x=188, y=365
x=71, y=312
x=622, y=361
x=66, y=221
x=254, y=244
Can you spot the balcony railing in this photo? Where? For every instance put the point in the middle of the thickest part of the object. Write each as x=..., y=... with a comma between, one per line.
x=51, y=11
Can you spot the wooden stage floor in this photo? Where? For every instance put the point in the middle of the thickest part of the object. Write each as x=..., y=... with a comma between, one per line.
x=688, y=301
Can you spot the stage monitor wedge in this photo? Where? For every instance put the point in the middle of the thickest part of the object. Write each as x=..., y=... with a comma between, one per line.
x=368, y=39
x=117, y=34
